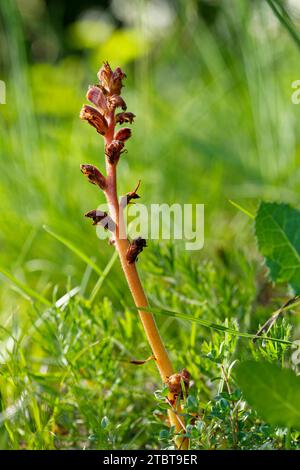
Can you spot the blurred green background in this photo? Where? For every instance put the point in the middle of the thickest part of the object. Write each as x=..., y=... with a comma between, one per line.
x=210, y=82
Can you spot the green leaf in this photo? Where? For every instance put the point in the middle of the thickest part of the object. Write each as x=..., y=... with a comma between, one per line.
x=277, y=228
x=274, y=392
x=279, y=10
x=164, y=434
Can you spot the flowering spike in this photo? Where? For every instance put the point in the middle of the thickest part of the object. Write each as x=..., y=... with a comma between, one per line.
x=106, y=98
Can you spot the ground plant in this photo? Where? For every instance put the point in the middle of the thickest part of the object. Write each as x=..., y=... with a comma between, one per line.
x=110, y=340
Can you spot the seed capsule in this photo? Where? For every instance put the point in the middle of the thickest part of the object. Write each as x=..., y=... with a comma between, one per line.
x=94, y=118
x=135, y=248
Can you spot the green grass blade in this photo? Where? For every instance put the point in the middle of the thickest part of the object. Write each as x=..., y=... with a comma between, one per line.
x=285, y=19
x=22, y=337
x=212, y=325
x=101, y=279
x=242, y=209
x=74, y=249
x=88, y=261
x=27, y=290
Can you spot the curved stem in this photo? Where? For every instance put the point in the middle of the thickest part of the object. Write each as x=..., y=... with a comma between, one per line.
x=131, y=274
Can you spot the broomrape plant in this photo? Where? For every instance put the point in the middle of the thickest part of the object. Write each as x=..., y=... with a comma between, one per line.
x=106, y=97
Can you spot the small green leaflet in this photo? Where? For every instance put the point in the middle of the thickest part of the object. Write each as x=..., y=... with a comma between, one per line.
x=274, y=392
x=277, y=228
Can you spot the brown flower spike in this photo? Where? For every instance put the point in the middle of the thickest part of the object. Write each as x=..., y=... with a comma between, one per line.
x=106, y=97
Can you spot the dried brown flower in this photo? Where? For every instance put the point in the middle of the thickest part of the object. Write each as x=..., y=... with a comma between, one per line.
x=94, y=118
x=135, y=248
x=96, y=96
x=104, y=75
x=123, y=134
x=121, y=118
x=111, y=81
x=174, y=382
x=116, y=81
x=133, y=194
x=114, y=150
x=101, y=218
x=94, y=175
x=116, y=101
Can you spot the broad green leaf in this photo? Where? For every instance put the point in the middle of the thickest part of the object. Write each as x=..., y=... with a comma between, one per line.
x=274, y=392
x=277, y=228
